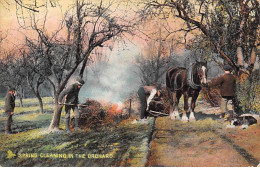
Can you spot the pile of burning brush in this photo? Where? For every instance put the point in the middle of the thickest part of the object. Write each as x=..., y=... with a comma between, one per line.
x=91, y=113
x=94, y=113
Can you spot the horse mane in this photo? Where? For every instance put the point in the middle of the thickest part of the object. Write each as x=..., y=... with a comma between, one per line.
x=190, y=76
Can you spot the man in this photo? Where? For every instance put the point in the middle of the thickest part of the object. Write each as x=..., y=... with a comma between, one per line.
x=146, y=94
x=227, y=84
x=71, y=102
x=9, y=109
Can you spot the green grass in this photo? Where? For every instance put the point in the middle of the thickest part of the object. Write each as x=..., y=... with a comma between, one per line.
x=32, y=143
x=119, y=144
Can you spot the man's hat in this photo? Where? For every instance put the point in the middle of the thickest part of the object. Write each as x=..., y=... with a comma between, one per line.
x=227, y=68
x=12, y=89
x=79, y=81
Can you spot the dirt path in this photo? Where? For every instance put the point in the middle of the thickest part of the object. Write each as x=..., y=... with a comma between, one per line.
x=205, y=142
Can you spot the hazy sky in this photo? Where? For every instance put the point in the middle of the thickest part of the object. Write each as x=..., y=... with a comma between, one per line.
x=12, y=18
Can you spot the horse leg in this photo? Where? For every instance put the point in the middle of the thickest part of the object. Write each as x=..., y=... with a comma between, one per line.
x=176, y=109
x=193, y=102
x=173, y=105
x=186, y=107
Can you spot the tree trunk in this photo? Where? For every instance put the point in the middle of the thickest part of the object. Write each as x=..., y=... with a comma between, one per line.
x=252, y=60
x=21, y=101
x=240, y=58
x=21, y=96
x=237, y=106
x=55, y=123
x=37, y=95
x=40, y=103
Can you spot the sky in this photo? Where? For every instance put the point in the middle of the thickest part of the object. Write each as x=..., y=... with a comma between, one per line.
x=12, y=19
x=12, y=23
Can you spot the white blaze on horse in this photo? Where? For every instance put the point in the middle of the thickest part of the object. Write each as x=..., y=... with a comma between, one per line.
x=188, y=82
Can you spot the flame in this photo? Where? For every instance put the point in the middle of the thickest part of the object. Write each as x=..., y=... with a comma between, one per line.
x=115, y=108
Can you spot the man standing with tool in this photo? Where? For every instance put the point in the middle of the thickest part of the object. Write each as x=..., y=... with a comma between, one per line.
x=71, y=102
x=9, y=109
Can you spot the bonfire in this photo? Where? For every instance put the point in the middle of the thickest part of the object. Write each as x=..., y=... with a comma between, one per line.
x=95, y=114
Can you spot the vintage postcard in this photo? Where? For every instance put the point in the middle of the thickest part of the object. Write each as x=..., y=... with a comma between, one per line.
x=129, y=83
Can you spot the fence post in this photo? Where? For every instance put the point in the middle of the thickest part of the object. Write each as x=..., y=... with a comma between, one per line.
x=130, y=102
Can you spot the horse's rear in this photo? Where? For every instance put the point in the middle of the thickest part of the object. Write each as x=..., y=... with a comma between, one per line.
x=171, y=84
x=175, y=82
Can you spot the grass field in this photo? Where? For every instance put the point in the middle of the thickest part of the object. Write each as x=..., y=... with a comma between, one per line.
x=125, y=144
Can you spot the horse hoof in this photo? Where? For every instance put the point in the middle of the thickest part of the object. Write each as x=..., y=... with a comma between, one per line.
x=175, y=117
x=178, y=117
x=192, y=117
x=172, y=117
x=192, y=120
x=184, y=119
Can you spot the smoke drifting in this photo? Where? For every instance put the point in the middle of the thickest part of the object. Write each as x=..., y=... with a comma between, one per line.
x=116, y=79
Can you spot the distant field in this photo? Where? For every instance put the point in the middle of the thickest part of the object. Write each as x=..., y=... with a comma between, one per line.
x=28, y=101
x=28, y=117
x=31, y=105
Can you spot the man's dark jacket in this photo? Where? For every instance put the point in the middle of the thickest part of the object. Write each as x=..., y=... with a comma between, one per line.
x=9, y=103
x=227, y=84
x=72, y=93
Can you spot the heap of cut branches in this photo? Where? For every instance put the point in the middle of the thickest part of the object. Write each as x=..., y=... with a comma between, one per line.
x=212, y=96
x=92, y=113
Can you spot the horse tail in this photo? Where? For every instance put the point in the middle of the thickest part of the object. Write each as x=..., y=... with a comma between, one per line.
x=168, y=79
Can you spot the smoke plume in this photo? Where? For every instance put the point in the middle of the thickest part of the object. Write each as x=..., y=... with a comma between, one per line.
x=116, y=78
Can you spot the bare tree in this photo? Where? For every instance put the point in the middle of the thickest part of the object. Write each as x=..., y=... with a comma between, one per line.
x=230, y=26
x=89, y=28
x=32, y=61
x=157, y=60
x=33, y=5
x=13, y=73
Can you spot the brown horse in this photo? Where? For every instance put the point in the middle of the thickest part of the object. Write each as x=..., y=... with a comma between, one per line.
x=187, y=82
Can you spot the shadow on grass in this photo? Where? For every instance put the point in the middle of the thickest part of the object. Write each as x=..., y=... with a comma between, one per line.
x=202, y=116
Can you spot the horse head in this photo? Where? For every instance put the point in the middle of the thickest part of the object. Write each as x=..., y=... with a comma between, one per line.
x=201, y=68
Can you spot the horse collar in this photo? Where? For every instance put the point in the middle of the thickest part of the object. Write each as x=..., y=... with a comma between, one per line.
x=190, y=80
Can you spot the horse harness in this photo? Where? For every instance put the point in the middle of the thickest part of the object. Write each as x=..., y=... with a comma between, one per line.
x=190, y=79
x=175, y=85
